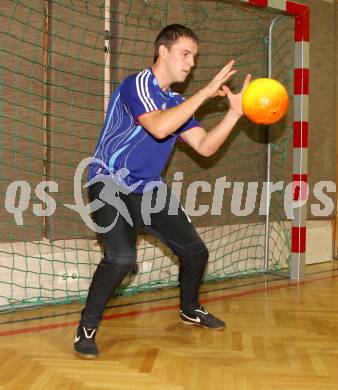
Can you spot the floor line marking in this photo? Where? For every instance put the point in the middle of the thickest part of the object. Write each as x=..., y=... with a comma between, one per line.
x=134, y=313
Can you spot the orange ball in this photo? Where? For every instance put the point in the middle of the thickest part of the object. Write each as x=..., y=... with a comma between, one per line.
x=265, y=101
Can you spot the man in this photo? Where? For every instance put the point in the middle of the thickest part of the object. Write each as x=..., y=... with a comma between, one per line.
x=143, y=121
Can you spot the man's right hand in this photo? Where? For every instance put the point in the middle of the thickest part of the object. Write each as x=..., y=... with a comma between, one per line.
x=214, y=88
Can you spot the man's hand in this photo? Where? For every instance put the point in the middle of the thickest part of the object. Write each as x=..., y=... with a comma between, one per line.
x=207, y=143
x=215, y=87
x=235, y=100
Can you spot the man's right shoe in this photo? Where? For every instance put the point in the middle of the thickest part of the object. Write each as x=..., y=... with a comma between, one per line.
x=84, y=343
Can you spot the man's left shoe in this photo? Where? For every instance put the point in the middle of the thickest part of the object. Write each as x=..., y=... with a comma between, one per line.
x=201, y=317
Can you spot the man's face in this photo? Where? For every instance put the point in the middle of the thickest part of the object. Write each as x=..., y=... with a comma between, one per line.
x=180, y=58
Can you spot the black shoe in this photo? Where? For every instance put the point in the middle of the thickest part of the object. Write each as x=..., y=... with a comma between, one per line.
x=201, y=317
x=84, y=343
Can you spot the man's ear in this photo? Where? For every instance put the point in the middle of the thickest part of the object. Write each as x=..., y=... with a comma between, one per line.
x=163, y=51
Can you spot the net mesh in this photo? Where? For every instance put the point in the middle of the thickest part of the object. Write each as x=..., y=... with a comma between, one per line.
x=53, y=56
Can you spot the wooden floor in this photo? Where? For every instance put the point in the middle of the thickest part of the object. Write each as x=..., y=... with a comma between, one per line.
x=280, y=335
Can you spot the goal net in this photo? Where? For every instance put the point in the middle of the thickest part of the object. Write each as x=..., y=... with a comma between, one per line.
x=53, y=72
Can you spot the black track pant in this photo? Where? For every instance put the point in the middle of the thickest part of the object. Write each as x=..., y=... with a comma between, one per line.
x=119, y=243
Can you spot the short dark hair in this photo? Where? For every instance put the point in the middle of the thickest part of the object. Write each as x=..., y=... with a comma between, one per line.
x=170, y=34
